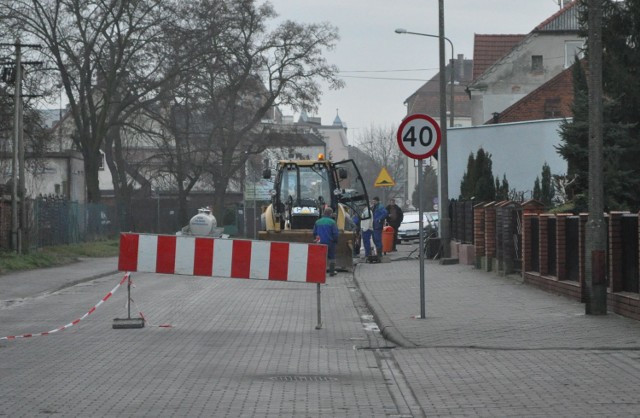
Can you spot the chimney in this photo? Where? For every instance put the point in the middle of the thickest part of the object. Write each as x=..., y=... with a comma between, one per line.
x=460, y=76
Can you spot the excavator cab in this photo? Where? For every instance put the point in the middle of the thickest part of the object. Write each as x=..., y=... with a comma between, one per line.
x=302, y=189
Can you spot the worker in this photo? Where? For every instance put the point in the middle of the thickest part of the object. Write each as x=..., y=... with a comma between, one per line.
x=366, y=230
x=379, y=216
x=395, y=220
x=325, y=231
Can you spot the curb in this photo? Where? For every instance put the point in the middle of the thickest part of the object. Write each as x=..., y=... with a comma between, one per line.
x=83, y=280
x=388, y=330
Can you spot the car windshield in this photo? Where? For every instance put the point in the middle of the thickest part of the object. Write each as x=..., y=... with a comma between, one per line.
x=413, y=217
x=410, y=217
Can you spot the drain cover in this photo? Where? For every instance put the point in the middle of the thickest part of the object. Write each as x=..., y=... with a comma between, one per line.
x=303, y=379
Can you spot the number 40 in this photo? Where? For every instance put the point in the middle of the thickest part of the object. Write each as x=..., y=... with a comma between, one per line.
x=410, y=136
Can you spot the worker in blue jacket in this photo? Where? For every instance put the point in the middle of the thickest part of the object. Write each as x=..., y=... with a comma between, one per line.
x=380, y=214
x=325, y=231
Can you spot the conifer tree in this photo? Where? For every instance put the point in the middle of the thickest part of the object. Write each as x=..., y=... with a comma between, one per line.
x=621, y=61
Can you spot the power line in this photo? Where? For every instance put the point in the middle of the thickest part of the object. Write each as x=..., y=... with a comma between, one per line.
x=386, y=78
x=389, y=71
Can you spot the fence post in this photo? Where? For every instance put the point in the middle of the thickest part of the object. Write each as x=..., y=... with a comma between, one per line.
x=479, y=233
x=509, y=237
x=490, y=235
x=500, y=215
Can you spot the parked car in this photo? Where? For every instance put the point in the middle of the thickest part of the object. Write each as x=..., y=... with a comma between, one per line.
x=433, y=219
x=410, y=228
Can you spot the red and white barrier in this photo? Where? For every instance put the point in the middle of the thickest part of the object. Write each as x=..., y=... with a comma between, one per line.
x=236, y=258
x=72, y=323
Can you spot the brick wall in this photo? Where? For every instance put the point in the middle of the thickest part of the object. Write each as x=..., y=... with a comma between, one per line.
x=486, y=229
x=623, y=303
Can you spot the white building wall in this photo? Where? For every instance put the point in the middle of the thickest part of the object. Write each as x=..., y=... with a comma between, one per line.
x=518, y=150
x=337, y=142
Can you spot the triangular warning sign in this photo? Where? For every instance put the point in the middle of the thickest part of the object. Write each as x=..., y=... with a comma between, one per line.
x=384, y=179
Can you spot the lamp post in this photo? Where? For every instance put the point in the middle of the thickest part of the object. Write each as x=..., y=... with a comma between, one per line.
x=443, y=175
x=452, y=78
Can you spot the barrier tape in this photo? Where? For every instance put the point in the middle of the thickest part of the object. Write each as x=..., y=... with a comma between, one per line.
x=72, y=323
x=144, y=318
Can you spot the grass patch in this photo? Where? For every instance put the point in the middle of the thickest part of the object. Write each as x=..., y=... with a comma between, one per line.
x=57, y=255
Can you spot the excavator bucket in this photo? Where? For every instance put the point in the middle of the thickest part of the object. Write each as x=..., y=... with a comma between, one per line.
x=344, y=249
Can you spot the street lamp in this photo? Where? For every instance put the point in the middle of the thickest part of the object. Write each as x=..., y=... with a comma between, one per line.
x=452, y=79
x=443, y=176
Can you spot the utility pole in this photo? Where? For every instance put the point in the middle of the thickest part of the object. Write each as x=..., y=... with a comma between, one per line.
x=595, y=248
x=443, y=175
x=17, y=128
x=18, y=189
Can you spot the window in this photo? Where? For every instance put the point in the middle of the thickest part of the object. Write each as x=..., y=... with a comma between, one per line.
x=552, y=108
x=536, y=63
x=572, y=49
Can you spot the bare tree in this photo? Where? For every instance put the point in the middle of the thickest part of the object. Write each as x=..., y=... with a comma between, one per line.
x=118, y=60
x=107, y=56
x=242, y=72
x=379, y=143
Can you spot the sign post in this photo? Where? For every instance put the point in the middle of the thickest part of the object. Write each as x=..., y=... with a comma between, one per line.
x=419, y=137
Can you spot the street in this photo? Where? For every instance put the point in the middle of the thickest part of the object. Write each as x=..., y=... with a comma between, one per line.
x=489, y=346
x=211, y=347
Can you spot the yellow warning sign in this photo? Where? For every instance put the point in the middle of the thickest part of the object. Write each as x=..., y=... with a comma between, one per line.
x=384, y=179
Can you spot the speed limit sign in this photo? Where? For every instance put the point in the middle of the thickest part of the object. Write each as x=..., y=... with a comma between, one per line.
x=419, y=136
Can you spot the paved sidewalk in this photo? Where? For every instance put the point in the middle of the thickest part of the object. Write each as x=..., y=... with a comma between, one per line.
x=492, y=346
x=466, y=307
x=15, y=286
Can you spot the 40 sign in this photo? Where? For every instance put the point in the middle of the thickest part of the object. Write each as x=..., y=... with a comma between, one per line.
x=419, y=136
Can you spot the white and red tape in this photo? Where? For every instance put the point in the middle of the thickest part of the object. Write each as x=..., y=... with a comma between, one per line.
x=72, y=323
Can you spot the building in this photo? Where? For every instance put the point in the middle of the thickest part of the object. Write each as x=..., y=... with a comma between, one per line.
x=548, y=50
x=514, y=78
x=426, y=100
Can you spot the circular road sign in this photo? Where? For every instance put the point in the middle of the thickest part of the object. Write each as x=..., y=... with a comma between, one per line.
x=419, y=136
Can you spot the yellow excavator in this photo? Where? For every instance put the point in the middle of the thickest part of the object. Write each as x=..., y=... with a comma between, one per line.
x=302, y=189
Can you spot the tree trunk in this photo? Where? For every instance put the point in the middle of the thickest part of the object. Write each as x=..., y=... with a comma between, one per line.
x=219, y=195
x=183, y=215
x=91, y=170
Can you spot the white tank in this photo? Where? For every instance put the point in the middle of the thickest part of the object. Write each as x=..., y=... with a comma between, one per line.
x=203, y=224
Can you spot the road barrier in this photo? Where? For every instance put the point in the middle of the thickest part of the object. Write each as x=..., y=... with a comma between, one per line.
x=221, y=257
x=235, y=258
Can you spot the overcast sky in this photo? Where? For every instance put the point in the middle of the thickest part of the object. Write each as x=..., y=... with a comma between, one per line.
x=381, y=68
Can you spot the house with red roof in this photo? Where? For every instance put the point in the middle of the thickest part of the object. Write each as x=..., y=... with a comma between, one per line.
x=512, y=100
x=536, y=59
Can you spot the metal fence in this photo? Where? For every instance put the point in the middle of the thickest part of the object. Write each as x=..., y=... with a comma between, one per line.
x=629, y=264
x=461, y=213
x=57, y=221
x=572, y=251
